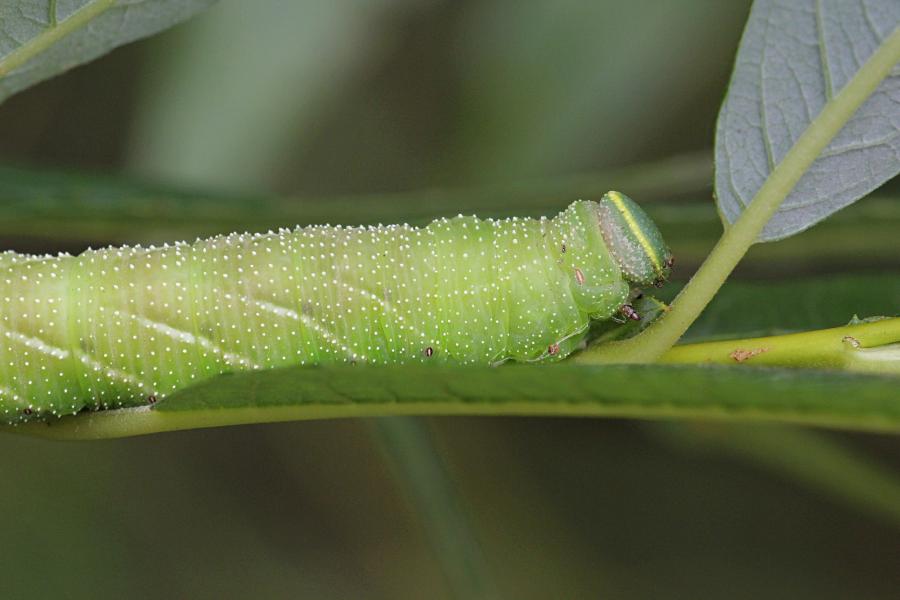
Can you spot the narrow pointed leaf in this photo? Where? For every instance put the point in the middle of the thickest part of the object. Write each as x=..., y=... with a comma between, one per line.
x=639, y=391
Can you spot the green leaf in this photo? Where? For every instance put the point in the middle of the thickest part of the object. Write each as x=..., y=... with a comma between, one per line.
x=42, y=38
x=638, y=391
x=794, y=58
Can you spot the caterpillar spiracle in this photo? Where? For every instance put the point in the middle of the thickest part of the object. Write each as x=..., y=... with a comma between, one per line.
x=126, y=326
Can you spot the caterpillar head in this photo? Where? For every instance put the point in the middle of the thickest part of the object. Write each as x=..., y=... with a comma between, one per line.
x=634, y=240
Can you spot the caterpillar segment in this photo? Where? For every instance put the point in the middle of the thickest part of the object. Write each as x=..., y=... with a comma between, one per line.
x=128, y=326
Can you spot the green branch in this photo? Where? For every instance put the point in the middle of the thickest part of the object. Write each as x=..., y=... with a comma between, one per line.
x=872, y=347
x=737, y=239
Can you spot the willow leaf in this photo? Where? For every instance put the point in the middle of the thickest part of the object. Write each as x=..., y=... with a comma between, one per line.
x=639, y=391
x=42, y=38
x=795, y=56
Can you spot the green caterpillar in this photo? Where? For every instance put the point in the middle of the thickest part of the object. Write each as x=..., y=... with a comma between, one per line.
x=127, y=326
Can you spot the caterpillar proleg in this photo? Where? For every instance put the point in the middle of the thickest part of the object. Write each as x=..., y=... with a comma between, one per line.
x=126, y=326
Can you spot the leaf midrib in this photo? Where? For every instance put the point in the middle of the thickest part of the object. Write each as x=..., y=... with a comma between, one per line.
x=53, y=34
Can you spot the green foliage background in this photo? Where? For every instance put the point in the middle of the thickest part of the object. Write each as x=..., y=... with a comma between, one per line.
x=495, y=97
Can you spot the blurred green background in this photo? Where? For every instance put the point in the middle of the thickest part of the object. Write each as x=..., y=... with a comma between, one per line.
x=311, y=99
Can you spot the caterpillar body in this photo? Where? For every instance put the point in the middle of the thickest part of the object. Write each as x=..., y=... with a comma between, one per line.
x=126, y=326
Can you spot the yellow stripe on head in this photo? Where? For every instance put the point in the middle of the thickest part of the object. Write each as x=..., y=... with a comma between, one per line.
x=637, y=230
